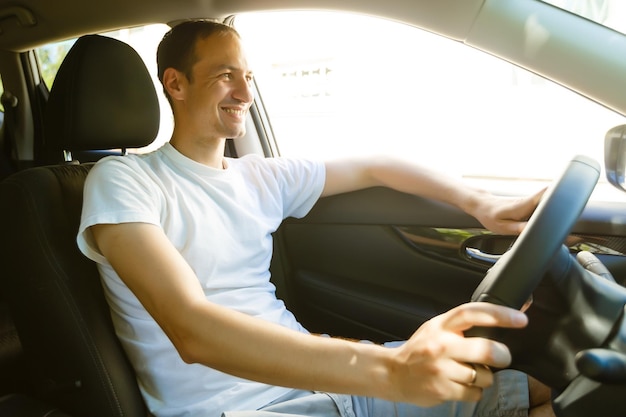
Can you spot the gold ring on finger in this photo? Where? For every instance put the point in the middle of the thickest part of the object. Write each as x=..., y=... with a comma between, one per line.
x=474, y=374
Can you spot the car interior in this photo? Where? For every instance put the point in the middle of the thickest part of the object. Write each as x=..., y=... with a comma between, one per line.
x=59, y=355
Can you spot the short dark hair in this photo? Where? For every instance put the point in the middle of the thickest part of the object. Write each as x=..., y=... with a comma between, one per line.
x=177, y=48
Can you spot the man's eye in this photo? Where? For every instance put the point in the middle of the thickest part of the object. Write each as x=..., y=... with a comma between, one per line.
x=228, y=76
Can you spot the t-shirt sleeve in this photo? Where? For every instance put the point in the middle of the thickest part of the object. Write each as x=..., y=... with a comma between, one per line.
x=302, y=183
x=115, y=192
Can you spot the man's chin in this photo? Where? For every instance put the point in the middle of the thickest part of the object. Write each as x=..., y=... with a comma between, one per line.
x=237, y=134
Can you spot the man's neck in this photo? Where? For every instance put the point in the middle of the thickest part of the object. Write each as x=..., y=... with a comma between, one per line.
x=206, y=152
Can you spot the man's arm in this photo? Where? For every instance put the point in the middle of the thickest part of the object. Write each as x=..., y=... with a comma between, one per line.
x=431, y=367
x=498, y=214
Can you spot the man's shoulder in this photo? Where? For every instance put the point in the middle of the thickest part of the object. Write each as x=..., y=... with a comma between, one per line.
x=128, y=171
x=127, y=163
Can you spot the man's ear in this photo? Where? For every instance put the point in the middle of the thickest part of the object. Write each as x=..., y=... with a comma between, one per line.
x=174, y=83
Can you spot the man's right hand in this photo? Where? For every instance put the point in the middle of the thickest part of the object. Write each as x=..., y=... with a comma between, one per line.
x=438, y=363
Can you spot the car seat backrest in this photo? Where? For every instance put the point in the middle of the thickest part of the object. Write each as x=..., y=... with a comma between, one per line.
x=102, y=98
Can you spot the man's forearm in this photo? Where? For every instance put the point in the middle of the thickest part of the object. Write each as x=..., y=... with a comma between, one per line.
x=251, y=348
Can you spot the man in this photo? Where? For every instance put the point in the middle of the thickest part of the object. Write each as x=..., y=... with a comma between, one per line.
x=182, y=238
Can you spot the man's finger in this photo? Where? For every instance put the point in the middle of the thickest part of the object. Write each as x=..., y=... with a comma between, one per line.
x=472, y=375
x=480, y=314
x=481, y=351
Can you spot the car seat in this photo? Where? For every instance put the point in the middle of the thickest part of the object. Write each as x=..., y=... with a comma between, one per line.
x=103, y=98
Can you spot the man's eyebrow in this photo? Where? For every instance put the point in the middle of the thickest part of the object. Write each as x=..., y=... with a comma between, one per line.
x=228, y=67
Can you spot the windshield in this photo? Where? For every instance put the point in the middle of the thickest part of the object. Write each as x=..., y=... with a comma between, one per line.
x=610, y=13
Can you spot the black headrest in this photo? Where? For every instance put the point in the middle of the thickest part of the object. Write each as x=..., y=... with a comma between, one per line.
x=102, y=98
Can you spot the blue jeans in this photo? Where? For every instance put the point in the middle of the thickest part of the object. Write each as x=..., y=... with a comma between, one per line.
x=507, y=397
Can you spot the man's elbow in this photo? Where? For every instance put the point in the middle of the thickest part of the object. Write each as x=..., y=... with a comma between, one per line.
x=188, y=350
x=187, y=345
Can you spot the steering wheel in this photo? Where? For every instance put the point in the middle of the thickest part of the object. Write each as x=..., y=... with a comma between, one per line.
x=576, y=337
x=512, y=280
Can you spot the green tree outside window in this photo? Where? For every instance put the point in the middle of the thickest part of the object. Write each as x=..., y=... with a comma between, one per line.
x=50, y=58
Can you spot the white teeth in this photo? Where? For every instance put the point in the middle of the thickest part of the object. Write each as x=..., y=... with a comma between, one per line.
x=234, y=111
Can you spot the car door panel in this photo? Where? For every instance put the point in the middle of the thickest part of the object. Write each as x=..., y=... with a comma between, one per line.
x=375, y=264
x=351, y=272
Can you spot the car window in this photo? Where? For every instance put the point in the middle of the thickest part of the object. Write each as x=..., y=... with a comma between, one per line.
x=337, y=84
x=144, y=40
x=610, y=13
x=1, y=113
x=50, y=58
x=1, y=105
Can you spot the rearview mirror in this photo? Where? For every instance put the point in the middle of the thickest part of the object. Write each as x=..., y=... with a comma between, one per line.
x=615, y=156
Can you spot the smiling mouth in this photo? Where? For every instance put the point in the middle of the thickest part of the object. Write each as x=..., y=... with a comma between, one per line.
x=237, y=112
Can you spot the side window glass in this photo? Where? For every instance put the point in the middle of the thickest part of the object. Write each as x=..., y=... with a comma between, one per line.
x=339, y=84
x=1, y=105
x=143, y=39
x=6, y=166
x=50, y=58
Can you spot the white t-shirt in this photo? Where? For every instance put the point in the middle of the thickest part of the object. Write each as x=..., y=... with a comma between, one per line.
x=221, y=222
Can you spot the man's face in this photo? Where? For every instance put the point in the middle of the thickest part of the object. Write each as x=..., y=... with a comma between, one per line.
x=218, y=95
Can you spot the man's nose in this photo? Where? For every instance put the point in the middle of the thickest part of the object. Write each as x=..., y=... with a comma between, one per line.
x=243, y=91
